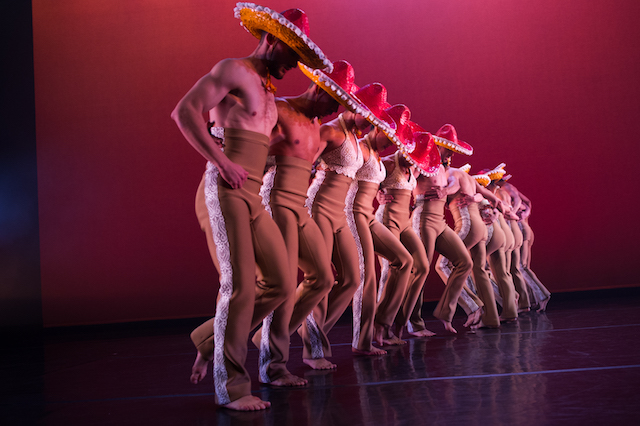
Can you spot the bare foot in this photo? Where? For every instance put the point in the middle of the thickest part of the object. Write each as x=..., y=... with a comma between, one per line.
x=422, y=333
x=319, y=363
x=373, y=352
x=288, y=380
x=399, y=331
x=543, y=304
x=199, y=369
x=448, y=326
x=393, y=341
x=248, y=403
x=473, y=318
x=483, y=325
x=378, y=334
x=508, y=320
x=523, y=310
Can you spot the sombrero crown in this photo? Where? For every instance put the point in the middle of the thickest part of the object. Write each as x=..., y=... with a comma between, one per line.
x=425, y=157
x=401, y=116
x=290, y=26
x=447, y=137
x=340, y=83
x=373, y=99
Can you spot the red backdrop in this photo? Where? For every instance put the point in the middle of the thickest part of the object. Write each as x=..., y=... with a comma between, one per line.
x=551, y=88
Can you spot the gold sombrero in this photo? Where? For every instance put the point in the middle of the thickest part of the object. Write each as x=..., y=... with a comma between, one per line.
x=497, y=172
x=260, y=18
x=482, y=178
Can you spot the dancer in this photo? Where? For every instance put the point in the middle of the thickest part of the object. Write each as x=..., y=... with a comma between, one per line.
x=341, y=159
x=242, y=93
x=374, y=238
x=470, y=227
x=296, y=144
x=540, y=293
x=496, y=258
x=436, y=234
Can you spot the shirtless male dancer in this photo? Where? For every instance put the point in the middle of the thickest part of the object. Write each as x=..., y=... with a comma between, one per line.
x=241, y=92
x=436, y=235
x=296, y=144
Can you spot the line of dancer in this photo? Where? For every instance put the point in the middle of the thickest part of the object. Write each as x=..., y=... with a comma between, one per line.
x=266, y=220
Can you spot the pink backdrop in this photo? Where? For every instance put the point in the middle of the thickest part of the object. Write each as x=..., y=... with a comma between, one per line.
x=549, y=87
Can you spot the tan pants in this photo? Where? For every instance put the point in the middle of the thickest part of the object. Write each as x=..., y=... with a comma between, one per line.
x=524, y=302
x=473, y=232
x=328, y=212
x=374, y=238
x=303, y=240
x=437, y=236
x=498, y=263
x=244, y=234
x=540, y=292
x=397, y=217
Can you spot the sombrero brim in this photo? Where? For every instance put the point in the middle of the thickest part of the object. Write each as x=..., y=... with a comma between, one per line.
x=497, y=173
x=460, y=147
x=380, y=123
x=466, y=168
x=482, y=179
x=259, y=18
x=327, y=84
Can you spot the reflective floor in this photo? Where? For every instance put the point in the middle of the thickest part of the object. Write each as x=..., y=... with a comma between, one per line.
x=579, y=363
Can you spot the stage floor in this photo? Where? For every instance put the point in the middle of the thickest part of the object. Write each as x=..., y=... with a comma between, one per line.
x=578, y=363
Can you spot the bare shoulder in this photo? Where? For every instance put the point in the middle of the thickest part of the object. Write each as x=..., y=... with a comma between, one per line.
x=233, y=71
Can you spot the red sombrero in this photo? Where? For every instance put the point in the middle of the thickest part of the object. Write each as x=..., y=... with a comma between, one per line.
x=339, y=84
x=290, y=26
x=447, y=137
x=425, y=157
x=400, y=115
x=373, y=99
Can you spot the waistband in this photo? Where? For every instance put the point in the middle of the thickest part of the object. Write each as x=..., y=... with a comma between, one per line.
x=247, y=149
x=292, y=175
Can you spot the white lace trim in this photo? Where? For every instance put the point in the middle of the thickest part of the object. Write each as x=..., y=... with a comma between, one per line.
x=357, y=297
x=315, y=340
x=397, y=179
x=535, y=290
x=466, y=222
x=384, y=263
x=313, y=190
x=372, y=170
x=489, y=233
x=218, y=228
x=265, y=349
x=265, y=190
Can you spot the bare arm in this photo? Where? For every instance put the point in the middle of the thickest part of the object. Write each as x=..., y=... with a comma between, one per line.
x=208, y=92
x=497, y=202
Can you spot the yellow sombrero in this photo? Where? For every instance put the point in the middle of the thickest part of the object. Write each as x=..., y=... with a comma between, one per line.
x=290, y=26
x=482, y=178
x=497, y=172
